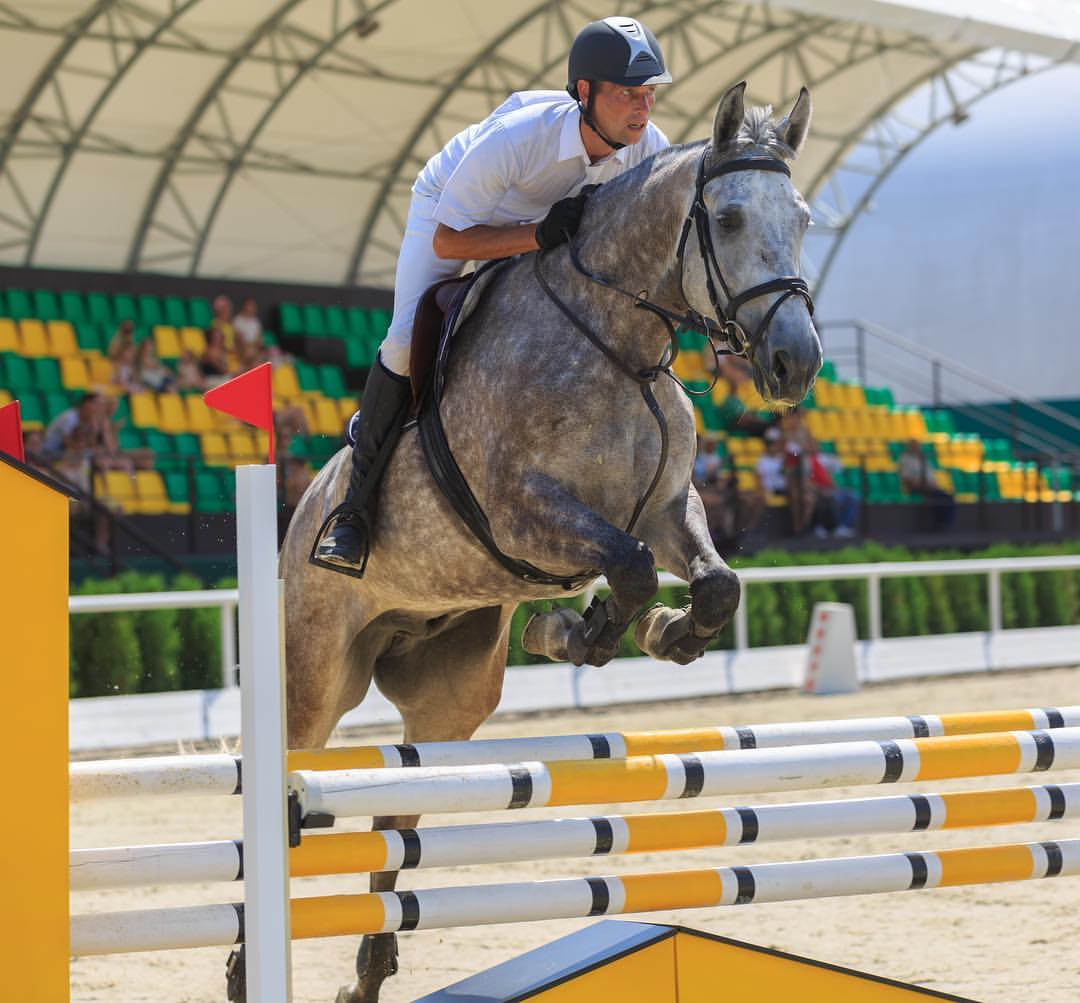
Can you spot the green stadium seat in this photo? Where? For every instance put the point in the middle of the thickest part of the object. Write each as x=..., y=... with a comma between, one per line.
x=380, y=322
x=131, y=438
x=291, y=320
x=336, y=324
x=199, y=312
x=307, y=376
x=72, y=308
x=55, y=402
x=18, y=304
x=16, y=374
x=150, y=312
x=176, y=314
x=46, y=374
x=359, y=322
x=360, y=354
x=314, y=321
x=209, y=494
x=31, y=408
x=123, y=308
x=828, y=370
x=176, y=485
x=122, y=413
x=45, y=305
x=331, y=381
x=89, y=338
x=99, y=310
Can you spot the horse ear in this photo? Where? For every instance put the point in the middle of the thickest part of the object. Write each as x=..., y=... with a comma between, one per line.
x=793, y=129
x=729, y=116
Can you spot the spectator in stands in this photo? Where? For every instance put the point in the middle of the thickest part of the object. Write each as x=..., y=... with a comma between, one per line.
x=223, y=321
x=188, y=372
x=836, y=509
x=123, y=374
x=149, y=373
x=289, y=422
x=918, y=476
x=781, y=471
x=214, y=364
x=729, y=511
x=122, y=340
x=249, y=330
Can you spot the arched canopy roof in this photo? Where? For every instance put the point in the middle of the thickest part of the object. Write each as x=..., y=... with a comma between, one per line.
x=279, y=140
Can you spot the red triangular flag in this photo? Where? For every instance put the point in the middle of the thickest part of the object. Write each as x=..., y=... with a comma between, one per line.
x=11, y=437
x=248, y=397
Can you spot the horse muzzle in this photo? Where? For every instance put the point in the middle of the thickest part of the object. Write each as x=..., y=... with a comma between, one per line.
x=787, y=360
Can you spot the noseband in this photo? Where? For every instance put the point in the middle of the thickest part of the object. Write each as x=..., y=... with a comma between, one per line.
x=727, y=313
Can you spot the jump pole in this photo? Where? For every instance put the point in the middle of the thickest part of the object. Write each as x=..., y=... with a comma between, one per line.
x=321, y=797
x=220, y=773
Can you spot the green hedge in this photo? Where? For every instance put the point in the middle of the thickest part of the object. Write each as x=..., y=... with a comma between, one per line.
x=181, y=649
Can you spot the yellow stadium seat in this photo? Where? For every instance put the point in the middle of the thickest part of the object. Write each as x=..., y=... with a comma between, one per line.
x=144, y=411
x=101, y=369
x=62, y=340
x=193, y=339
x=74, y=372
x=167, y=342
x=241, y=446
x=327, y=420
x=825, y=394
x=119, y=488
x=284, y=381
x=688, y=366
x=5, y=398
x=150, y=492
x=9, y=335
x=215, y=451
x=346, y=408
x=915, y=425
x=32, y=338
x=199, y=417
x=172, y=414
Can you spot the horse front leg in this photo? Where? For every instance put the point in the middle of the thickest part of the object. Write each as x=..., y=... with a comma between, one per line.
x=553, y=529
x=679, y=535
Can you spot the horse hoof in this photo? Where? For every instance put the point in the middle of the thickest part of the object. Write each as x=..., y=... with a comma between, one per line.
x=557, y=634
x=667, y=634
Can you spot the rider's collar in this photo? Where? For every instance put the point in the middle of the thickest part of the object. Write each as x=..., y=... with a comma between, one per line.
x=572, y=147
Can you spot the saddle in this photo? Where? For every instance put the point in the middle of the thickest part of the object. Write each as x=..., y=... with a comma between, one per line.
x=439, y=316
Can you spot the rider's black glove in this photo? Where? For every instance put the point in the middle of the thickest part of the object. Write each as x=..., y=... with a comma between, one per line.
x=562, y=220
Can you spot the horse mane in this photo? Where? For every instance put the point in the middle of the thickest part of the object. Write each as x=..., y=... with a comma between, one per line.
x=759, y=130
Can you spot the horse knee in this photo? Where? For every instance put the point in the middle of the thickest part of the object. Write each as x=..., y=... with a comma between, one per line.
x=715, y=599
x=632, y=577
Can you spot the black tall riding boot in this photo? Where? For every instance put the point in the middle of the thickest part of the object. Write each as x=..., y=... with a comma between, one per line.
x=377, y=426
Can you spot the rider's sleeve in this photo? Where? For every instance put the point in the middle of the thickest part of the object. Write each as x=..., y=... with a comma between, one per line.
x=480, y=181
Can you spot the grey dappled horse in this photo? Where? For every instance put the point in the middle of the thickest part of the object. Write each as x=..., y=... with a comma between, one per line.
x=558, y=447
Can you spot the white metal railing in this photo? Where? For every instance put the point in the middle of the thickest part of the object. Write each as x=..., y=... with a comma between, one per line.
x=227, y=601
x=873, y=574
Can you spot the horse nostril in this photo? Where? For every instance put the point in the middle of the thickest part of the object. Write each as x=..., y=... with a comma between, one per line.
x=781, y=366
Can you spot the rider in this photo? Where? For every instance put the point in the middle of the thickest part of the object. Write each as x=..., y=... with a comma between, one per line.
x=480, y=198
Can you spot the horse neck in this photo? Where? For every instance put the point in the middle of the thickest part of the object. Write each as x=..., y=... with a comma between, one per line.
x=630, y=236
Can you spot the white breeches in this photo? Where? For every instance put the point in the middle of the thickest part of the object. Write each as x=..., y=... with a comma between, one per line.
x=418, y=268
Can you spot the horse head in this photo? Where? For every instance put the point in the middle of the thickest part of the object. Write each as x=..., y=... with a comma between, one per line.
x=748, y=222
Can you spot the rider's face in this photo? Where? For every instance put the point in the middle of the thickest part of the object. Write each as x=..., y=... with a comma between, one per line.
x=622, y=113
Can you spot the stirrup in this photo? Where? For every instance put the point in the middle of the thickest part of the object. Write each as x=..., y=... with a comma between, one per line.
x=342, y=568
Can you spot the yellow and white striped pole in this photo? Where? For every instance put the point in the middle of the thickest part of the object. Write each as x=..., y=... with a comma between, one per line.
x=435, y=908
x=511, y=842
x=350, y=793
x=221, y=774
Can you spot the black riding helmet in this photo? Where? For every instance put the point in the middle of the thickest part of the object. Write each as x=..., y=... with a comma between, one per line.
x=619, y=50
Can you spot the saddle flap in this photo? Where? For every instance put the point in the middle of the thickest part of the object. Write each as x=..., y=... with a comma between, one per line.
x=435, y=305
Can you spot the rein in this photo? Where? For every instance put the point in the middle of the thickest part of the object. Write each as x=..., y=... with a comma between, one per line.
x=738, y=342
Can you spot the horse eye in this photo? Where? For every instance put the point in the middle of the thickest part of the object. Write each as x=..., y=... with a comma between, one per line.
x=729, y=221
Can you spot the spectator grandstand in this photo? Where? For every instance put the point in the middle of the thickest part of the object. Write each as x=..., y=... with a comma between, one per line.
x=175, y=458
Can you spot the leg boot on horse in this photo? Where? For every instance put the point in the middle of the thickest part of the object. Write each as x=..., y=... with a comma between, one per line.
x=377, y=426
